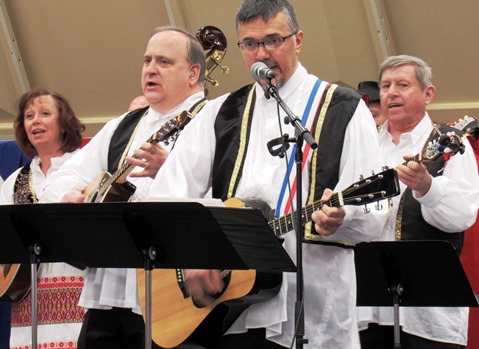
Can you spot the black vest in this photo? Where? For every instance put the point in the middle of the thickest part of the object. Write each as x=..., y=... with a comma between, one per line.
x=121, y=137
x=123, y=134
x=413, y=225
x=338, y=103
x=228, y=125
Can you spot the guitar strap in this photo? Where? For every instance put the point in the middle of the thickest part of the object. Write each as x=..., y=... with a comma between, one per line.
x=23, y=192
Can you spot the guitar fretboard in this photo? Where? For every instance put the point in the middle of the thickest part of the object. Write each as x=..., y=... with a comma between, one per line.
x=381, y=186
x=157, y=137
x=285, y=224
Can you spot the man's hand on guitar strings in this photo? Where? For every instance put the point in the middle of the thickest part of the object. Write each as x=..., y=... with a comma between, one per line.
x=203, y=285
x=150, y=157
x=415, y=176
x=328, y=220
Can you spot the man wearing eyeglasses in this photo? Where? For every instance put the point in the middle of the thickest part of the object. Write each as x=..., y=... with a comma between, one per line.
x=226, y=149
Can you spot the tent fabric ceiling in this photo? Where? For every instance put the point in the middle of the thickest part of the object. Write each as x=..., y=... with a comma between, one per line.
x=91, y=51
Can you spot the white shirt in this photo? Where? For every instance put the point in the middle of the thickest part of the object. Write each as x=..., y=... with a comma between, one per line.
x=109, y=287
x=330, y=287
x=450, y=206
x=38, y=178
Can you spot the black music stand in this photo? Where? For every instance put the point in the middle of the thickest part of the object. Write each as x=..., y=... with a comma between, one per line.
x=411, y=274
x=22, y=243
x=183, y=235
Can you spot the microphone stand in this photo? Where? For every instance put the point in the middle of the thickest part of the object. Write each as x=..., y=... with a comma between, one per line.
x=301, y=134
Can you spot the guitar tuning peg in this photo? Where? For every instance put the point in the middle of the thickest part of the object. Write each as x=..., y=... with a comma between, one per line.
x=366, y=209
x=385, y=168
x=361, y=177
x=372, y=173
x=378, y=206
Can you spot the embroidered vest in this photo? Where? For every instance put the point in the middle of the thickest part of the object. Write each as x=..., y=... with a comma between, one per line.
x=410, y=221
x=232, y=129
x=23, y=192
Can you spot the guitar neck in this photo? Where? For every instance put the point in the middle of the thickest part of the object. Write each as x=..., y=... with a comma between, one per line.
x=155, y=138
x=383, y=185
x=415, y=158
x=285, y=224
x=435, y=146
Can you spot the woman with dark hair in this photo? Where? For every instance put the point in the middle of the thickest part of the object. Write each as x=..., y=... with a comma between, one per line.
x=47, y=131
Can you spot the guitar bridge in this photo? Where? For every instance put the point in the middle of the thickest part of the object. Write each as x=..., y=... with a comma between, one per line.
x=180, y=279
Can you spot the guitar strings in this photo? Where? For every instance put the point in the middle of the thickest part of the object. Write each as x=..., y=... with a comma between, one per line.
x=284, y=222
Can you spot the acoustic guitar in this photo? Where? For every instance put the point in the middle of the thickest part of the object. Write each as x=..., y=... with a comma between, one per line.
x=174, y=313
x=15, y=282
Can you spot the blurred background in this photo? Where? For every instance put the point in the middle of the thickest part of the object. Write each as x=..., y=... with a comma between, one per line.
x=92, y=51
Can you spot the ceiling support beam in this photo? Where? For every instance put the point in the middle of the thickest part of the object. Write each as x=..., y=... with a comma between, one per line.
x=169, y=11
x=15, y=62
x=378, y=24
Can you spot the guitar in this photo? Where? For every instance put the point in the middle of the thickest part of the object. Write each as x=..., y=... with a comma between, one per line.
x=15, y=282
x=175, y=315
x=114, y=187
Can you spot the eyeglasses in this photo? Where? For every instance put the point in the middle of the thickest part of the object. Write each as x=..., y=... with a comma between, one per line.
x=269, y=43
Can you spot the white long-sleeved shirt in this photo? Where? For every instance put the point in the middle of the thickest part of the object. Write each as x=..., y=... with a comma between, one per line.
x=449, y=205
x=109, y=287
x=38, y=177
x=330, y=287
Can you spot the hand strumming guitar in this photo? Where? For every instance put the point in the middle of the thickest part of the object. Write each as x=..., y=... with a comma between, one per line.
x=328, y=220
x=203, y=285
x=150, y=157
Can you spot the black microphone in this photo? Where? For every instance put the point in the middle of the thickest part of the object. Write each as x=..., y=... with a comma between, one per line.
x=260, y=71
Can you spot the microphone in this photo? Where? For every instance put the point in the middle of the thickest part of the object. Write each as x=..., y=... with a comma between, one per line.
x=260, y=71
